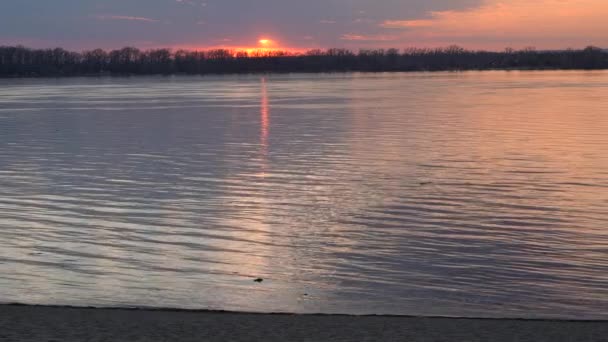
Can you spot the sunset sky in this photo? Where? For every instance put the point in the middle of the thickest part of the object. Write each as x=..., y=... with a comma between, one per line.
x=485, y=24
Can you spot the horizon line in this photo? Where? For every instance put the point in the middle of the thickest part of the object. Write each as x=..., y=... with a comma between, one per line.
x=298, y=51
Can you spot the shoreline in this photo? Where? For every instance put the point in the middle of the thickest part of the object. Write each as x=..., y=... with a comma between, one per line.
x=290, y=314
x=299, y=72
x=21, y=322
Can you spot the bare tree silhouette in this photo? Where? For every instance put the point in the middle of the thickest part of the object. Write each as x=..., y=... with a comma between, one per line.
x=22, y=61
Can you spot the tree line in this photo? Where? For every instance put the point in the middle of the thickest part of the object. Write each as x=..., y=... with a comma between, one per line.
x=21, y=61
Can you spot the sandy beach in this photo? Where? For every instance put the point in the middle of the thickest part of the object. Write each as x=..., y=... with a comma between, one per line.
x=37, y=323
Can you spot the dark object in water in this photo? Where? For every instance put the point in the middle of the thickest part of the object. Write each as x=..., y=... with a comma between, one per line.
x=259, y=280
x=426, y=183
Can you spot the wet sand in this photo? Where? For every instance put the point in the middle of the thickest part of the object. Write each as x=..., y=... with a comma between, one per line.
x=36, y=323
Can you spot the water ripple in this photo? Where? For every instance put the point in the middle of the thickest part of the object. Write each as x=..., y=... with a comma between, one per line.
x=474, y=194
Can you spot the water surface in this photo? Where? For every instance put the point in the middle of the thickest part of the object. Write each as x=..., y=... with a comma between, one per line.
x=460, y=194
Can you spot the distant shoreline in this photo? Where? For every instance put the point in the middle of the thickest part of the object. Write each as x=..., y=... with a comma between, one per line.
x=37, y=323
x=19, y=61
x=263, y=73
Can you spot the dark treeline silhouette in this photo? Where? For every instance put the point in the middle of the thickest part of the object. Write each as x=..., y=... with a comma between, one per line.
x=22, y=61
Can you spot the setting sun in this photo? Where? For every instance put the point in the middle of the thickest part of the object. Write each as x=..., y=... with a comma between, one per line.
x=265, y=42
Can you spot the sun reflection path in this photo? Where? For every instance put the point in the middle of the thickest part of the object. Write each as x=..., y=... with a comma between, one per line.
x=264, y=124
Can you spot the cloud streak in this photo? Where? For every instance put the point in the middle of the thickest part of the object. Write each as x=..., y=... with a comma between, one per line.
x=367, y=38
x=126, y=18
x=407, y=23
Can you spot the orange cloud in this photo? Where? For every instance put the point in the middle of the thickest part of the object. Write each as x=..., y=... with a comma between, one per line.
x=538, y=21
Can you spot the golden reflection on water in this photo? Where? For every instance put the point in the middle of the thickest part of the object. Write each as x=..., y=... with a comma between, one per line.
x=264, y=119
x=264, y=126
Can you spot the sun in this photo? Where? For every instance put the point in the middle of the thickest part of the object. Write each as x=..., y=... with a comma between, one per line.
x=265, y=42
